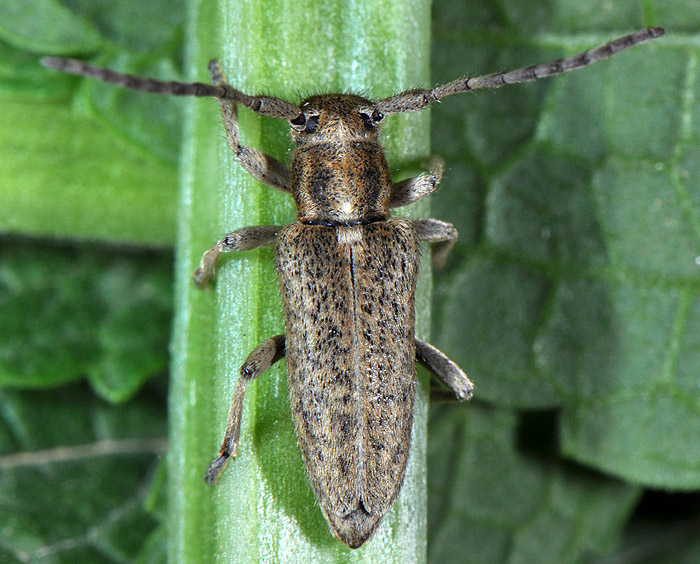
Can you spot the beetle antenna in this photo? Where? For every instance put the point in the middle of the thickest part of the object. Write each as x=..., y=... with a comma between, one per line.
x=263, y=105
x=418, y=99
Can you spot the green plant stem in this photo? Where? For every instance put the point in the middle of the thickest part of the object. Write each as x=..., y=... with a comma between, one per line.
x=262, y=509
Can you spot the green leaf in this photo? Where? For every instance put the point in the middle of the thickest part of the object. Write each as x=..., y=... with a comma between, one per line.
x=70, y=312
x=153, y=124
x=74, y=474
x=153, y=28
x=46, y=26
x=660, y=536
x=576, y=283
x=90, y=161
x=73, y=179
x=499, y=494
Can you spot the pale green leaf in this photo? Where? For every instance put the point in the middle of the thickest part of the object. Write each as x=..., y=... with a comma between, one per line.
x=43, y=26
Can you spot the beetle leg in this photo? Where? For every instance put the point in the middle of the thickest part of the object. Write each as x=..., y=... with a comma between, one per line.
x=240, y=240
x=260, y=166
x=265, y=355
x=440, y=232
x=445, y=370
x=413, y=189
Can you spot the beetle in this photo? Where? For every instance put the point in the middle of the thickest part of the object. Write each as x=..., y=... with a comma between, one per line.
x=347, y=273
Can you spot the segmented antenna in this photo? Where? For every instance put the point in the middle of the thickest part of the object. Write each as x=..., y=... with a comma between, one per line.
x=418, y=99
x=263, y=105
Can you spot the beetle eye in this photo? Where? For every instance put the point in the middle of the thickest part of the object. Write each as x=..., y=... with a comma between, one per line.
x=298, y=122
x=311, y=124
x=369, y=124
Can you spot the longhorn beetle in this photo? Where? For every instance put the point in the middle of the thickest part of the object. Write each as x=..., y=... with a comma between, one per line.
x=347, y=273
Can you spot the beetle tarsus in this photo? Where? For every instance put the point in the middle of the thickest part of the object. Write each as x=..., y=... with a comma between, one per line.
x=215, y=469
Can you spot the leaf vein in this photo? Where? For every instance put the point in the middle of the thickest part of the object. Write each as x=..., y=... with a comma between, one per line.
x=104, y=447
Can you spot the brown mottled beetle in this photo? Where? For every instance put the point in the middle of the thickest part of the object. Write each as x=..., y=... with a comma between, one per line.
x=347, y=273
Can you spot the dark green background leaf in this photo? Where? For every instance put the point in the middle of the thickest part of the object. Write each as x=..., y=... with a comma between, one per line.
x=74, y=312
x=75, y=474
x=576, y=284
x=501, y=496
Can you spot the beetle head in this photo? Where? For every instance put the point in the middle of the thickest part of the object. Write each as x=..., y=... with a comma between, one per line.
x=336, y=118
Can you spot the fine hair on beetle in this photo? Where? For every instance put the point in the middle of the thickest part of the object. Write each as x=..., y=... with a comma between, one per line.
x=347, y=272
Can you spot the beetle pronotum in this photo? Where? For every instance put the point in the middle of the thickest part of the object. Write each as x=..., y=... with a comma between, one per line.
x=347, y=273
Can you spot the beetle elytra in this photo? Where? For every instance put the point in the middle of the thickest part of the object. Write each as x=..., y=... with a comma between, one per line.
x=347, y=273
